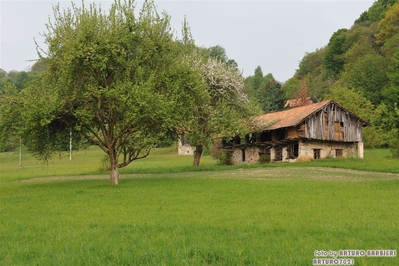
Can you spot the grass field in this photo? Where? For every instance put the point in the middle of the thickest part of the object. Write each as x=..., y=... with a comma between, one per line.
x=165, y=212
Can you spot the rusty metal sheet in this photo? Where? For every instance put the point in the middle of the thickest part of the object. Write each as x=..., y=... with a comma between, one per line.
x=291, y=117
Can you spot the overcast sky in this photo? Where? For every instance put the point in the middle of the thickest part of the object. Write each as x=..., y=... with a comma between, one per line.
x=272, y=34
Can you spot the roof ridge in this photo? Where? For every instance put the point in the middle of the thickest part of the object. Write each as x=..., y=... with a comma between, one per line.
x=304, y=106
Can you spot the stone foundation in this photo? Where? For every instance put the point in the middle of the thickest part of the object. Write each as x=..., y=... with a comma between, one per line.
x=249, y=155
x=307, y=150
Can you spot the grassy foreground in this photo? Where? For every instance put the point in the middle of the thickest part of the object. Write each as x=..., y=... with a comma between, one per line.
x=163, y=214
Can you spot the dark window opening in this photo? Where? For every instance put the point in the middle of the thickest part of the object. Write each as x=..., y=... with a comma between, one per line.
x=280, y=134
x=316, y=153
x=266, y=136
x=227, y=142
x=251, y=138
x=293, y=150
x=339, y=153
x=243, y=155
x=237, y=140
x=264, y=150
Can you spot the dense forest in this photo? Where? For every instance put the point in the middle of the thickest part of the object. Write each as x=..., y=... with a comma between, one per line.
x=358, y=68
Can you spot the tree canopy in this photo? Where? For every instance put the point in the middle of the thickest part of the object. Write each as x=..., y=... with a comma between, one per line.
x=110, y=77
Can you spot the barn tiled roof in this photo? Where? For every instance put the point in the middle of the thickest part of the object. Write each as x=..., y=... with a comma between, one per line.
x=293, y=117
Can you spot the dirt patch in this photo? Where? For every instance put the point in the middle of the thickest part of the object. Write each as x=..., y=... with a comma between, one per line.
x=263, y=174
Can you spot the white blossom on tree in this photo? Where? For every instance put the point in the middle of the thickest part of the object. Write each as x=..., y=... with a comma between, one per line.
x=219, y=105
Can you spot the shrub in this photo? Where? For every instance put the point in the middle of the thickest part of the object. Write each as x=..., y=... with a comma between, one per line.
x=395, y=149
x=224, y=157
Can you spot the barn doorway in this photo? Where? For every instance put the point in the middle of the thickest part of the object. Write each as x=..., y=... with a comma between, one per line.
x=293, y=150
x=316, y=153
x=278, y=153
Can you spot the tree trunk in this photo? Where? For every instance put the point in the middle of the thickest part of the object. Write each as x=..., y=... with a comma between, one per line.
x=114, y=175
x=198, y=154
x=113, y=158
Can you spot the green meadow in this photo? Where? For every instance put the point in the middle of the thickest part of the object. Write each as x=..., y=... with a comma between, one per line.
x=166, y=212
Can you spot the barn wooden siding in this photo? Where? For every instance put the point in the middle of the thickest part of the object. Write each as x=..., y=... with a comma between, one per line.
x=333, y=123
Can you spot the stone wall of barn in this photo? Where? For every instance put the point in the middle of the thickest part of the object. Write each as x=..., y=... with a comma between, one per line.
x=324, y=149
x=307, y=150
x=252, y=155
x=249, y=155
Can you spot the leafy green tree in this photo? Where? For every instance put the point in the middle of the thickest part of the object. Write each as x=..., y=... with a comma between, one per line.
x=394, y=140
x=364, y=17
x=355, y=102
x=257, y=78
x=252, y=83
x=218, y=105
x=390, y=46
x=111, y=77
x=270, y=96
x=376, y=11
x=333, y=60
x=290, y=87
x=389, y=25
x=318, y=85
x=312, y=70
x=358, y=50
x=311, y=63
x=10, y=121
x=387, y=121
x=369, y=76
x=248, y=88
x=218, y=52
x=391, y=91
x=19, y=78
x=3, y=75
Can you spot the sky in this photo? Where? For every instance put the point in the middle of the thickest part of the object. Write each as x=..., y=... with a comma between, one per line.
x=274, y=35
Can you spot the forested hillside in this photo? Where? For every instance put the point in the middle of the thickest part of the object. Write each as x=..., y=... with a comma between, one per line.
x=359, y=68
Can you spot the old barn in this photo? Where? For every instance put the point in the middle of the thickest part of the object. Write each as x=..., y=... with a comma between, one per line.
x=314, y=131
